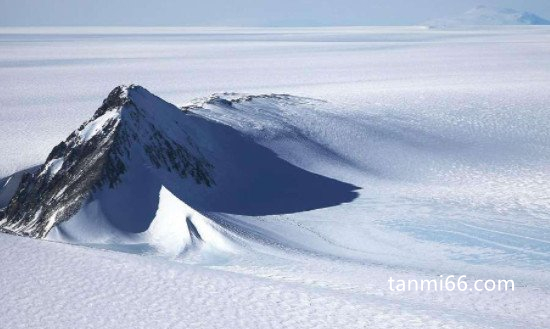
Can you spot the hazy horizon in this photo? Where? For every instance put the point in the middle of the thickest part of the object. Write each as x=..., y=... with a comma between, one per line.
x=243, y=13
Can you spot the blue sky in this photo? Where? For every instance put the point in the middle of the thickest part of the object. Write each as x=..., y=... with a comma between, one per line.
x=242, y=12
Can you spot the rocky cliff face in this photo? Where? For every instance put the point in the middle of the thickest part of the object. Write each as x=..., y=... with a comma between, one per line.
x=131, y=126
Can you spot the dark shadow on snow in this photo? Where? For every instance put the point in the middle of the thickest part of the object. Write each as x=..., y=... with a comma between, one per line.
x=252, y=180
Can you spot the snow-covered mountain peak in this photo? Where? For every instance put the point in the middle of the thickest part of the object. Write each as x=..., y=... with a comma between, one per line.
x=117, y=98
x=132, y=134
x=143, y=172
x=136, y=96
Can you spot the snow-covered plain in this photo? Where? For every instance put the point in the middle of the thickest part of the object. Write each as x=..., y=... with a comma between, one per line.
x=445, y=132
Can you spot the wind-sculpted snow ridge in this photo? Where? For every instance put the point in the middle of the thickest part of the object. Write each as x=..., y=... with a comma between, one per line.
x=139, y=174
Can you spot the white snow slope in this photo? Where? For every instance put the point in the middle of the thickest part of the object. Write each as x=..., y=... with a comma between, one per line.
x=66, y=287
x=445, y=132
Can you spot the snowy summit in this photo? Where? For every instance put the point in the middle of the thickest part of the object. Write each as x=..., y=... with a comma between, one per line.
x=142, y=171
x=486, y=15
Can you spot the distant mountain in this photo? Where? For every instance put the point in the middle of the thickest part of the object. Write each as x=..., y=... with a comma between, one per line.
x=484, y=15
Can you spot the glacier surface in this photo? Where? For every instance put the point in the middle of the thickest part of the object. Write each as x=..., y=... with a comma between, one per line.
x=445, y=132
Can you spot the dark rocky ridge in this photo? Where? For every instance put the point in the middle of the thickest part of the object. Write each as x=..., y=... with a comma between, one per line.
x=44, y=199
